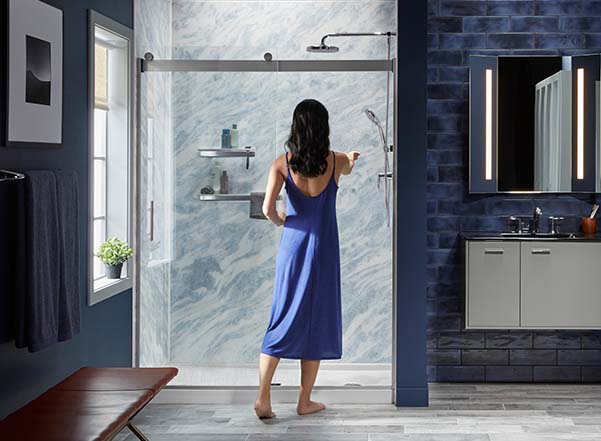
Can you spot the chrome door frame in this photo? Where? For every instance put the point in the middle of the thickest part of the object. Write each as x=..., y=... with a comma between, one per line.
x=149, y=64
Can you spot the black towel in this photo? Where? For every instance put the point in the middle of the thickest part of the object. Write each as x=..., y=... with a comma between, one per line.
x=38, y=309
x=68, y=302
x=12, y=252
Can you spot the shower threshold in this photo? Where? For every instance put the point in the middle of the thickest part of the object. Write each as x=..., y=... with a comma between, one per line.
x=331, y=374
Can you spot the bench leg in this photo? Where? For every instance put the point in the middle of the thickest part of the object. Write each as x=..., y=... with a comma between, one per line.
x=136, y=432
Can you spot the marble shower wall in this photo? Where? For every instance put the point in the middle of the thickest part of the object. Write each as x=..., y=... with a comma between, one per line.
x=223, y=262
x=153, y=34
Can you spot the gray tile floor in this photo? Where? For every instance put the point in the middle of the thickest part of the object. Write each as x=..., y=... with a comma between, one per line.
x=457, y=412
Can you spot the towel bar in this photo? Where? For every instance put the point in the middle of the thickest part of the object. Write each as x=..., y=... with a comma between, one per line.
x=6, y=175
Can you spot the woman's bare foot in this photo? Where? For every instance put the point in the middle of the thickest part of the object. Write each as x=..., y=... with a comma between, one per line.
x=309, y=407
x=263, y=411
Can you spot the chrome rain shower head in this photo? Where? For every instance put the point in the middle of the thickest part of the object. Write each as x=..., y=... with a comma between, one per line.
x=323, y=48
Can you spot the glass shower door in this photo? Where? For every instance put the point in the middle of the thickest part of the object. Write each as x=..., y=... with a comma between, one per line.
x=214, y=289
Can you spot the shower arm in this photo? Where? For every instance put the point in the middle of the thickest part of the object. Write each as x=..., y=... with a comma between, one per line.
x=356, y=34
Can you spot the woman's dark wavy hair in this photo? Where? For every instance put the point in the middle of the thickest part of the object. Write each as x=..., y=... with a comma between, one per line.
x=309, y=140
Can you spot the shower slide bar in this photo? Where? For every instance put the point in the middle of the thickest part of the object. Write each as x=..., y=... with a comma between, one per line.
x=267, y=66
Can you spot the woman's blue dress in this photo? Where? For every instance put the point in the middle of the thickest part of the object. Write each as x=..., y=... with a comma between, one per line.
x=306, y=319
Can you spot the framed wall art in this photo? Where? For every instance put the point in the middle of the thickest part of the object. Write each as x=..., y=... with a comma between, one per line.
x=34, y=74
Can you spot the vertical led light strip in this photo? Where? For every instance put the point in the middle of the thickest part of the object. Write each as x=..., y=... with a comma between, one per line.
x=488, y=129
x=580, y=126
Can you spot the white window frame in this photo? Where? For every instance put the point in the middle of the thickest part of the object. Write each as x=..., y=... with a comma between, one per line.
x=109, y=288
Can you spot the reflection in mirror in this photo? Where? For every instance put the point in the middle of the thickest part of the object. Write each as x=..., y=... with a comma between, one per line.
x=534, y=98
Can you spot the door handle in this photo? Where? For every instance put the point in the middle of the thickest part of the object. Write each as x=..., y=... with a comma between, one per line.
x=151, y=221
x=544, y=251
x=494, y=251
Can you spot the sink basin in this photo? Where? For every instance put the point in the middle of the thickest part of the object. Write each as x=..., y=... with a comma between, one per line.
x=528, y=236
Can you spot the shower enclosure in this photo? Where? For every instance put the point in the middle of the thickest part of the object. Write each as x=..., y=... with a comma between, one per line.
x=204, y=272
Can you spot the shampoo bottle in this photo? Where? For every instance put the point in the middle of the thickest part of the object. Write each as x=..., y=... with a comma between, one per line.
x=234, y=136
x=226, y=139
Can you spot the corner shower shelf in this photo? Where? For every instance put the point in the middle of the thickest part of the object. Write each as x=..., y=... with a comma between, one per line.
x=216, y=197
x=225, y=197
x=227, y=153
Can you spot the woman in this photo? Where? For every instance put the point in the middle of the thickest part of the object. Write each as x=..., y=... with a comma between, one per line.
x=305, y=322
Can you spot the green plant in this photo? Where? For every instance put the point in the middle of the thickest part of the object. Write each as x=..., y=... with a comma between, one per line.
x=114, y=251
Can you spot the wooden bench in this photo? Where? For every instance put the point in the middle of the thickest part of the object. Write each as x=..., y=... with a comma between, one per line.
x=90, y=404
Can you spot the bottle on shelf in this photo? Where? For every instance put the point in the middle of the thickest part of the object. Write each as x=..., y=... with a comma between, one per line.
x=226, y=139
x=215, y=175
x=224, y=187
x=234, y=136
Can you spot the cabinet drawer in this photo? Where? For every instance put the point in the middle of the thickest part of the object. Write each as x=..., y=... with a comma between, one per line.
x=560, y=285
x=493, y=284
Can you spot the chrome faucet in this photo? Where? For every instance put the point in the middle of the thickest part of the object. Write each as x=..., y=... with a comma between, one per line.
x=535, y=220
x=553, y=221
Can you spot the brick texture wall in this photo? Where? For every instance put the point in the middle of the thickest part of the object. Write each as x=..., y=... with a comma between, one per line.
x=458, y=28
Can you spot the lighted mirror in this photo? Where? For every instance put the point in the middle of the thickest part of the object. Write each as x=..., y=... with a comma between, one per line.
x=534, y=124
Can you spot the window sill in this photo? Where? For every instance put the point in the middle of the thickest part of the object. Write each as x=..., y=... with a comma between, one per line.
x=107, y=288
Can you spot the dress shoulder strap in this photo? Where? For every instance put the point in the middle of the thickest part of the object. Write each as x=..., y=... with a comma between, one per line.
x=333, y=164
x=287, y=163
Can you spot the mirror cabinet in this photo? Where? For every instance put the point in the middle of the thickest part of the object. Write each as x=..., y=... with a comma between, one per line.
x=534, y=124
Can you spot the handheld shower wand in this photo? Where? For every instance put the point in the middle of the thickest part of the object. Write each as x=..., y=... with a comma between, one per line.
x=374, y=119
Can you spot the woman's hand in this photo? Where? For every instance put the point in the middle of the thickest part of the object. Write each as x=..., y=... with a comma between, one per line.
x=281, y=218
x=352, y=156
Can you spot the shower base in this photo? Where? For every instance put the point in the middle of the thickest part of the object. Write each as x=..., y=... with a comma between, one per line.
x=287, y=374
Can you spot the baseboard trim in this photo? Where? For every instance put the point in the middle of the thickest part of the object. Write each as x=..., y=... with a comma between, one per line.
x=281, y=395
x=411, y=397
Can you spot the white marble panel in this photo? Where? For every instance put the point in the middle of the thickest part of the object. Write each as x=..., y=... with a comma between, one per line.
x=223, y=263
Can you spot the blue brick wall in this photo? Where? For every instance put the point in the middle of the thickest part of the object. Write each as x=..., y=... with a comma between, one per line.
x=458, y=28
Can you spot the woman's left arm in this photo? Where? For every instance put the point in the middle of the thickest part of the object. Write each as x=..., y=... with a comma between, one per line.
x=274, y=185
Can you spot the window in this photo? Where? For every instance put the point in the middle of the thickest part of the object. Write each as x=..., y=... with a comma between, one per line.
x=110, y=149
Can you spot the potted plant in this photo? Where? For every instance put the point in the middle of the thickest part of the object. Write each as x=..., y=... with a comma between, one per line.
x=113, y=253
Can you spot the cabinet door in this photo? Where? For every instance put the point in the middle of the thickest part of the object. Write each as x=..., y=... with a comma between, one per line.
x=493, y=284
x=560, y=285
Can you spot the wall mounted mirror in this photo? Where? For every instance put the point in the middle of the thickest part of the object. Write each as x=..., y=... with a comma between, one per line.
x=534, y=124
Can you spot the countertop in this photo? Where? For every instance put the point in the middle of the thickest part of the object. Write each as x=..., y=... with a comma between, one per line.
x=481, y=235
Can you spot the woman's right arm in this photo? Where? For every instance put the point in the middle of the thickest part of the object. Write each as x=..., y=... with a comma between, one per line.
x=274, y=185
x=349, y=161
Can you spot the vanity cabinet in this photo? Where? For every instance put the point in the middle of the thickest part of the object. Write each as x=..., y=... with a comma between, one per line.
x=560, y=285
x=533, y=285
x=493, y=284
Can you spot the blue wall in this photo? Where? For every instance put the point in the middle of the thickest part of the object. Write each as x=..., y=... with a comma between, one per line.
x=457, y=29
x=105, y=338
x=411, y=382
